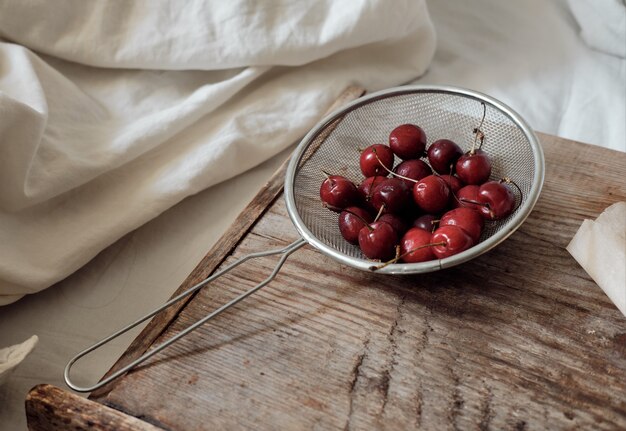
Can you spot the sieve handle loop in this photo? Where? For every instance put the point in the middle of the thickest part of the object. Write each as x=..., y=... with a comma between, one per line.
x=285, y=252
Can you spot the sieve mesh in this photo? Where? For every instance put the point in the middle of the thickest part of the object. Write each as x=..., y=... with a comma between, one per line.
x=442, y=113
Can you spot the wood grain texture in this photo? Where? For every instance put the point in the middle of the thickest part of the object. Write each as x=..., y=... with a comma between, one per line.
x=519, y=338
x=215, y=256
x=51, y=408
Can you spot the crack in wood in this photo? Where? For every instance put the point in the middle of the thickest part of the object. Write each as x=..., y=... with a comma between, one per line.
x=486, y=412
x=144, y=417
x=392, y=362
x=418, y=407
x=520, y=426
x=278, y=240
x=425, y=334
x=355, y=374
x=457, y=398
x=418, y=400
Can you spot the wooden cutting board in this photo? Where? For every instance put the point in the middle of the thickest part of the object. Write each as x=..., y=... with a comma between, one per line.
x=519, y=338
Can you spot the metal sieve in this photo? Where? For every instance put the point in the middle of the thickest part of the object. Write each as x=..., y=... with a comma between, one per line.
x=443, y=112
x=332, y=146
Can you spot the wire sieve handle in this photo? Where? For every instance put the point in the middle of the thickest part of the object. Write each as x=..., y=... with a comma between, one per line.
x=285, y=252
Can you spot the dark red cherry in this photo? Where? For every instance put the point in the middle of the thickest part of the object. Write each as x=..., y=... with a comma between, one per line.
x=396, y=223
x=427, y=222
x=431, y=194
x=366, y=188
x=407, y=141
x=443, y=154
x=474, y=168
x=351, y=221
x=465, y=196
x=338, y=192
x=454, y=183
x=369, y=161
x=393, y=194
x=413, y=169
x=453, y=240
x=378, y=241
x=467, y=219
x=497, y=200
x=414, y=246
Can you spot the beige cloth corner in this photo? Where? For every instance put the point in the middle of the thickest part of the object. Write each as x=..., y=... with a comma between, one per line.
x=10, y=357
x=600, y=248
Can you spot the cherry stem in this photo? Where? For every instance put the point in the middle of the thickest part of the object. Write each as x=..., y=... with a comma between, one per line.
x=486, y=205
x=380, y=211
x=455, y=197
x=400, y=256
x=470, y=201
x=507, y=180
x=482, y=139
x=390, y=171
x=371, y=191
x=326, y=174
x=360, y=218
x=434, y=223
x=479, y=133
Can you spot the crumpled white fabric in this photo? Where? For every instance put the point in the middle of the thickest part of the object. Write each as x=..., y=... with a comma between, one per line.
x=602, y=24
x=112, y=112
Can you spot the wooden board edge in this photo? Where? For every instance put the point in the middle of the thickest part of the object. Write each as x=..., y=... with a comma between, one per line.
x=51, y=408
x=220, y=251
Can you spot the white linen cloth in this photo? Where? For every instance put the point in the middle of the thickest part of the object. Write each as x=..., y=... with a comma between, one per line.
x=602, y=23
x=112, y=112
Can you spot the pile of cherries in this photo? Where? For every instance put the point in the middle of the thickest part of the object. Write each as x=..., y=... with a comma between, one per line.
x=418, y=211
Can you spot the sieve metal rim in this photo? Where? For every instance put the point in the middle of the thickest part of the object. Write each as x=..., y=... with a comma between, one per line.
x=416, y=268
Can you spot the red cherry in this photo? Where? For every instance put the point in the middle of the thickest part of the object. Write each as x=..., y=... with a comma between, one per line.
x=454, y=240
x=467, y=219
x=465, y=196
x=426, y=222
x=431, y=194
x=496, y=199
x=396, y=223
x=443, y=154
x=407, y=141
x=474, y=168
x=369, y=161
x=378, y=241
x=454, y=183
x=351, y=221
x=413, y=169
x=366, y=188
x=338, y=192
x=393, y=194
x=414, y=246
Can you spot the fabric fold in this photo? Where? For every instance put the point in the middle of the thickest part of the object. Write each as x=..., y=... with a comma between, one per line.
x=203, y=34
